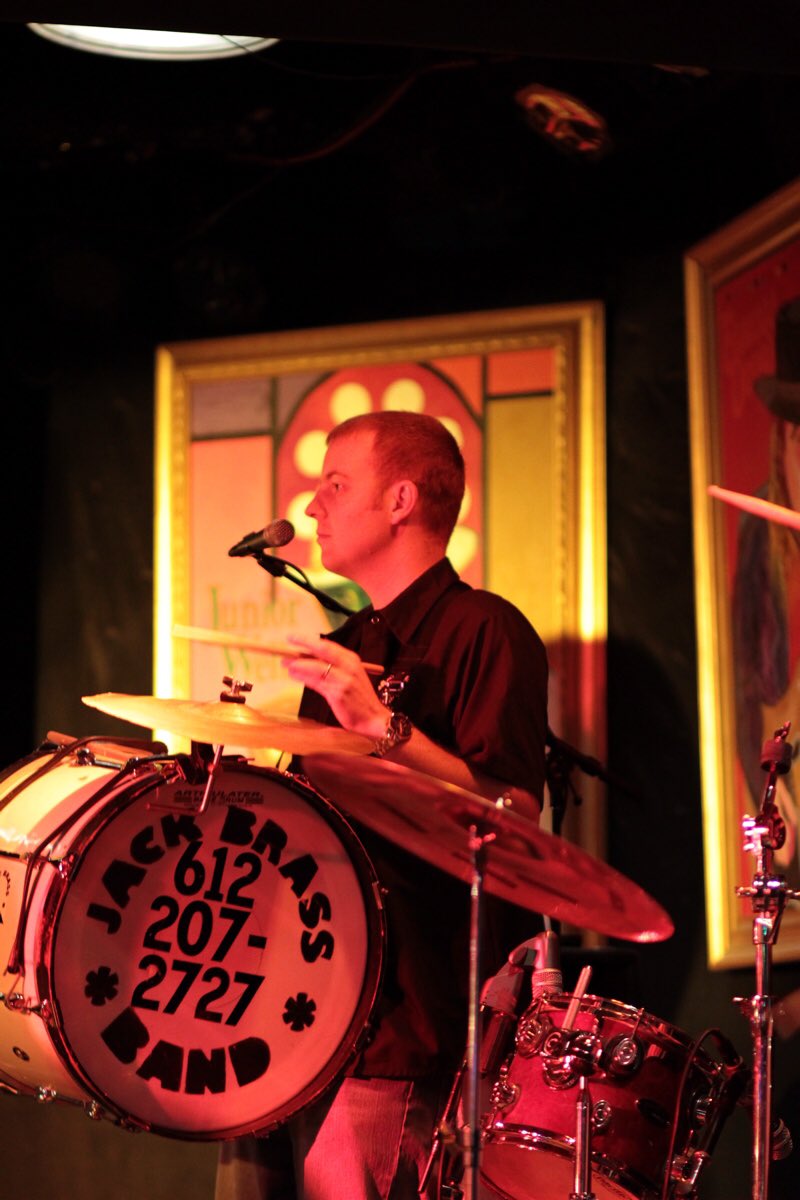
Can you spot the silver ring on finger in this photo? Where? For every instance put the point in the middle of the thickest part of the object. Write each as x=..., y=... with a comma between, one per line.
x=326, y=672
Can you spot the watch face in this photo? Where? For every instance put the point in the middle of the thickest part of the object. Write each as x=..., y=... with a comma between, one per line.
x=400, y=727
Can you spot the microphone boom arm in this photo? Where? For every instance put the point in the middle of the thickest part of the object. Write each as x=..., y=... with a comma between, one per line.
x=281, y=569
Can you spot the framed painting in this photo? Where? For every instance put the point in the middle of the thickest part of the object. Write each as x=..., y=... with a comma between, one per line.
x=241, y=427
x=743, y=328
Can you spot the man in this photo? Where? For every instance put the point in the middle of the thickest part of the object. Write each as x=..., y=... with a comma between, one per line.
x=465, y=696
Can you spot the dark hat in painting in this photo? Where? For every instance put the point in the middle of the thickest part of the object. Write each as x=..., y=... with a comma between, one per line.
x=781, y=391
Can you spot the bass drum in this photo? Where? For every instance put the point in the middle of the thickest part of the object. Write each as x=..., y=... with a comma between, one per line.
x=658, y=1105
x=201, y=975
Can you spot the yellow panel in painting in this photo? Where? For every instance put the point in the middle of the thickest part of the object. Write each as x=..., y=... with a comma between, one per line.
x=231, y=492
x=524, y=509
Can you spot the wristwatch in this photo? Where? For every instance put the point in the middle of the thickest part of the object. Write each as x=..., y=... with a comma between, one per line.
x=398, y=730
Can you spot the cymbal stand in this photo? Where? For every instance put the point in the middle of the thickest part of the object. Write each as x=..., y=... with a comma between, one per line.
x=582, y=1179
x=235, y=694
x=768, y=893
x=577, y=1052
x=470, y=1133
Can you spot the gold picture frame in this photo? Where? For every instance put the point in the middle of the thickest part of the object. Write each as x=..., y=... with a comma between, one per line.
x=737, y=284
x=541, y=537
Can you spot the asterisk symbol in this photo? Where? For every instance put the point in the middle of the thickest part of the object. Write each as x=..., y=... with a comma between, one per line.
x=101, y=985
x=299, y=1012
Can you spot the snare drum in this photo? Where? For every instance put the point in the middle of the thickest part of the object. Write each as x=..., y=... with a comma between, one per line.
x=658, y=1104
x=201, y=975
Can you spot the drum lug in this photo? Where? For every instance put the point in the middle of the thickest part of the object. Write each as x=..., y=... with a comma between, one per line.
x=685, y=1171
x=131, y=1126
x=16, y=1002
x=601, y=1116
x=96, y=1112
x=622, y=1057
x=504, y=1094
x=530, y=1034
x=46, y=1095
x=65, y=866
x=570, y=1054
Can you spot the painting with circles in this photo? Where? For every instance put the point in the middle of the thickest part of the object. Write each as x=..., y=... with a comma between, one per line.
x=241, y=434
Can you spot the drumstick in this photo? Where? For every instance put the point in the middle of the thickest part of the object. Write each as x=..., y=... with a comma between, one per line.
x=756, y=506
x=217, y=637
x=577, y=996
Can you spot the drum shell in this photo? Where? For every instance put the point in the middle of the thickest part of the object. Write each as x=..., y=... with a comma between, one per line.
x=32, y=805
x=103, y=811
x=529, y=1128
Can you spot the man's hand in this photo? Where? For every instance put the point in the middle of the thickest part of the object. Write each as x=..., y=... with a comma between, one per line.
x=337, y=674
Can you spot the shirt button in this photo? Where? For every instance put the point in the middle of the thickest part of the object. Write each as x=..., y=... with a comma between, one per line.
x=375, y=620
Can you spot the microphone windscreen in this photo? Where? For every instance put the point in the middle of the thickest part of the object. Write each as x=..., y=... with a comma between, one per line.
x=279, y=533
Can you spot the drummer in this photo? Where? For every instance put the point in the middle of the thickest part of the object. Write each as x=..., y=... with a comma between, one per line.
x=463, y=698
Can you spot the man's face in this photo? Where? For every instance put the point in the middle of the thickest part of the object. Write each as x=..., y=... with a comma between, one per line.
x=351, y=510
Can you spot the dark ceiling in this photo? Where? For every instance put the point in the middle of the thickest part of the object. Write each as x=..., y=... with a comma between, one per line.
x=719, y=34
x=328, y=179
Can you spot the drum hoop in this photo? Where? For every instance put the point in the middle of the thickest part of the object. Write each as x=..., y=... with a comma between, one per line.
x=55, y=753
x=37, y=858
x=358, y=1029
x=526, y=1137
x=639, y=1018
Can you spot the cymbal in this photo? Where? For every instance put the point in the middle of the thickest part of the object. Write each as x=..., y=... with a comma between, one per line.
x=223, y=723
x=757, y=506
x=525, y=865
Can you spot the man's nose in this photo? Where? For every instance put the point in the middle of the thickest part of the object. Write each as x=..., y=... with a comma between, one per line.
x=313, y=508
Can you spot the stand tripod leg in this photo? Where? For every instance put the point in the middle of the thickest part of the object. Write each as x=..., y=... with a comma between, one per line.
x=471, y=1134
x=582, y=1179
x=768, y=893
x=761, y=1021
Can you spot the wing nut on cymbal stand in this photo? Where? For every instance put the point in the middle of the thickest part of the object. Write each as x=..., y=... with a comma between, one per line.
x=768, y=893
x=234, y=694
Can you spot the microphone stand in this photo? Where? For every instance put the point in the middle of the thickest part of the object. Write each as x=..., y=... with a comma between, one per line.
x=286, y=570
x=763, y=835
x=561, y=760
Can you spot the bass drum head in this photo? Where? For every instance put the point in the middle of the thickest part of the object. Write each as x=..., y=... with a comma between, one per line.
x=210, y=974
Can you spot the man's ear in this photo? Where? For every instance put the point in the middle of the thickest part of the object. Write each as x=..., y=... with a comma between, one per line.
x=404, y=498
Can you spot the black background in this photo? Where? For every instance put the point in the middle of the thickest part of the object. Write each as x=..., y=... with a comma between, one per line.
x=322, y=184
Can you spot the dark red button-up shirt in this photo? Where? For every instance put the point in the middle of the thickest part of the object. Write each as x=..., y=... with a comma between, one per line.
x=477, y=685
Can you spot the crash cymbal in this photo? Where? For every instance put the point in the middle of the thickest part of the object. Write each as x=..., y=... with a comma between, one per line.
x=756, y=506
x=525, y=865
x=223, y=723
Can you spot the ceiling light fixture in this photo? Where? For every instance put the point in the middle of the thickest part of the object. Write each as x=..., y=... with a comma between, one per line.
x=155, y=44
x=564, y=120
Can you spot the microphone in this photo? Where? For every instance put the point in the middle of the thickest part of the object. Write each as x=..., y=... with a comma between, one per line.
x=501, y=995
x=546, y=974
x=277, y=533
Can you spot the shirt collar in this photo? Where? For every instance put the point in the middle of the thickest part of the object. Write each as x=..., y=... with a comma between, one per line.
x=406, y=612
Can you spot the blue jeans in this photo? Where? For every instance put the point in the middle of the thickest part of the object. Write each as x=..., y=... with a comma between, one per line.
x=370, y=1139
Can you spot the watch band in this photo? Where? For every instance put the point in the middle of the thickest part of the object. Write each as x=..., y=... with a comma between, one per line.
x=398, y=730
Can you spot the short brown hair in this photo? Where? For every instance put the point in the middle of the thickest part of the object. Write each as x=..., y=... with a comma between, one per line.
x=414, y=446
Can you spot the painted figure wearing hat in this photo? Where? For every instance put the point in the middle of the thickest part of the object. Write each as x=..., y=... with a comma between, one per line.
x=766, y=599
